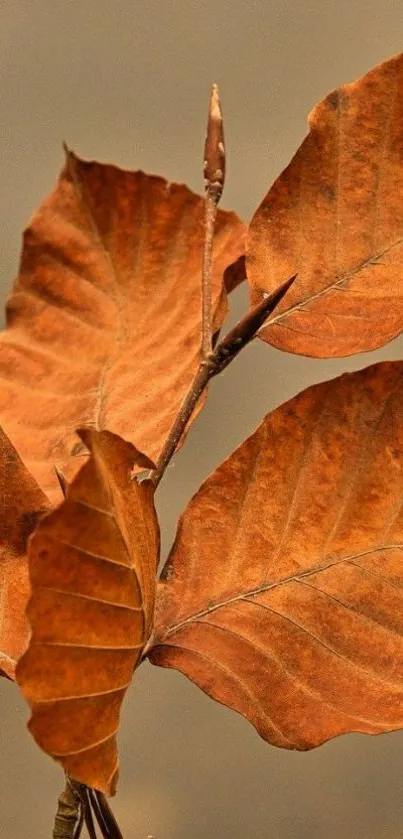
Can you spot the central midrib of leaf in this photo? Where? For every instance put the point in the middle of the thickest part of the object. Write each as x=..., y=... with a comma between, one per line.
x=120, y=331
x=336, y=284
x=267, y=586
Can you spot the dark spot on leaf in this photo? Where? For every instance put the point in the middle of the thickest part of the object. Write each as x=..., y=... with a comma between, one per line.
x=333, y=99
x=328, y=191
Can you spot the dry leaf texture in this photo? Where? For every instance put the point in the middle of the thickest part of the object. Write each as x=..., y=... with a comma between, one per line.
x=335, y=217
x=103, y=325
x=283, y=596
x=92, y=568
x=22, y=503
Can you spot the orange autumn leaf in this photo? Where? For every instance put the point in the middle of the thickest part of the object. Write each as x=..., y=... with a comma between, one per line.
x=92, y=565
x=22, y=504
x=103, y=325
x=335, y=218
x=283, y=594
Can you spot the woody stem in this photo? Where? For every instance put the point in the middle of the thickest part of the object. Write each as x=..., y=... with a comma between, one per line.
x=207, y=319
x=68, y=813
x=238, y=337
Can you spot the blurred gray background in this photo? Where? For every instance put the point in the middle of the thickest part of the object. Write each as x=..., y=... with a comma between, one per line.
x=128, y=82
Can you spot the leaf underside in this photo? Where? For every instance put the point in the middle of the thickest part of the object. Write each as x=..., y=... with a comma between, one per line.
x=92, y=565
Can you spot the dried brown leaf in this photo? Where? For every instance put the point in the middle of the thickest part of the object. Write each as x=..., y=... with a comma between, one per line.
x=103, y=325
x=22, y=504
x=335, y=218
x=283, y=596
x=92, y=568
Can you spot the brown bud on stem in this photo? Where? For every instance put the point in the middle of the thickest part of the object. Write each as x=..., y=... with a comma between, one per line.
x=62, y=481
x=214, y=151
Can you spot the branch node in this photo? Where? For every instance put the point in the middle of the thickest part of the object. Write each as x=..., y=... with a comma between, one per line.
x=246, y=328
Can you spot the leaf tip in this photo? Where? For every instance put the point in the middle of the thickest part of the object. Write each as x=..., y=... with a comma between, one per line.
x=71, y=161
x=68, y=153
x=93, y=439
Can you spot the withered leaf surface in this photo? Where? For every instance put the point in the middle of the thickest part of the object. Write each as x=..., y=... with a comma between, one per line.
x=92, y=568
x=22, y=504
x=103, y=325
x=335, y=218
x=283, y=596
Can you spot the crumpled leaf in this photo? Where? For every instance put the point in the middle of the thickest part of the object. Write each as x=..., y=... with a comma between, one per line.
x=283, y=595
x=103, y=325
x=92, y=568
x=22, y=504
x=335, y=218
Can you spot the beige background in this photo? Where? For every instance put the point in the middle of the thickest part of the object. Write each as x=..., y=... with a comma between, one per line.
x=128, y=82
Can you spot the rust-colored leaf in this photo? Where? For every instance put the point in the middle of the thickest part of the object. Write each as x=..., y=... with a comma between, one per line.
x=335, y=218
x=103, y=325
x=22, y=504
x=92, y=568
x=283, y=596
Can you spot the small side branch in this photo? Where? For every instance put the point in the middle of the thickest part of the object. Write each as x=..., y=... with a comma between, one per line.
x=246, y=328
x=244, y=331
x=213, y=361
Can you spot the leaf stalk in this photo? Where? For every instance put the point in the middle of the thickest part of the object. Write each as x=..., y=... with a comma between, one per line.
x=79, y=805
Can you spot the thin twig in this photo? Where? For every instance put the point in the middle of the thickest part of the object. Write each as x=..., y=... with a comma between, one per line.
x=196, y=389
x=67, y=820
x=214, y=175
x=90, y=804
x=80, y=825
x=207, y=319
x=223, y=354
x=89, y=821
x=102, y=823
x=214, y=360
x=103, y=814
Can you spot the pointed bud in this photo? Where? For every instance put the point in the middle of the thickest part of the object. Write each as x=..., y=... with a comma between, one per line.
x=214, y=151
x=246, y=329
x=62, y=481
